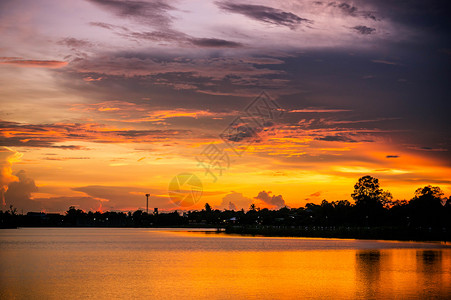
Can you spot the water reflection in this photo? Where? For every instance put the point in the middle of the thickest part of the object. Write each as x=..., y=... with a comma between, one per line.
x=429, y=261
x=429, y=268
x=368, y=273
x=163, y=264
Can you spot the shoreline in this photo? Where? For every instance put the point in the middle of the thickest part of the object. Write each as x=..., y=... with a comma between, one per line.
x=361, y=233
x=356, y=233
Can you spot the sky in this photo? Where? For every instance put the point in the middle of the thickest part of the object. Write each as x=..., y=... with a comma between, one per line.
x=104, y=101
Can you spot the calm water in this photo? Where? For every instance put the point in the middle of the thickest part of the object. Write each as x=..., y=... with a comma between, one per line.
x=77, y=263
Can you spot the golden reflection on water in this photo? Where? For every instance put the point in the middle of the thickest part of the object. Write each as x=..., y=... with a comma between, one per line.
x=136, y=263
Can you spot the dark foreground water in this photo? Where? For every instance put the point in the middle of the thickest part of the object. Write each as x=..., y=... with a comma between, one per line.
x=105, y=263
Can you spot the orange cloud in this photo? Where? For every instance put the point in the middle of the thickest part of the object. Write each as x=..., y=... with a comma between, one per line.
x=7, y=157
x=122, y=111
x=33, y=63
x=89, y=78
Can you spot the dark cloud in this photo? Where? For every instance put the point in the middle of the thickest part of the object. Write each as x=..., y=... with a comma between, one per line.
x=131, y=74
x=364, y=29
x=240, y=130
x=74, y=43
x=106, y=25
x=429, y=149
x=351, y=10
x=370, y=15
x=211, y=68
x=337, y=138
x=215, y=43
x=101, y=25
x=392, y=156
x=46, y=135
x=153, y=12
x=347, y=8
x=275, y=201
x=179, y=38
x=264, y=14
x=156, y=36
x=168, y=35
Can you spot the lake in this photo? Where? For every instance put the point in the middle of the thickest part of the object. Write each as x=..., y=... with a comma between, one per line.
x=111, y=263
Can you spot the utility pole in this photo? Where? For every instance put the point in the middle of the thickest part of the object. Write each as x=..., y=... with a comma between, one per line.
x=147, y=203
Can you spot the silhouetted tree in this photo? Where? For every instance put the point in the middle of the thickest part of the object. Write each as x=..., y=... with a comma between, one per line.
x=370, y=199
x=367, y=190
x=429, y=192
x=427, y=206
x=207, y=208
x=75, y=217
x=12, y=210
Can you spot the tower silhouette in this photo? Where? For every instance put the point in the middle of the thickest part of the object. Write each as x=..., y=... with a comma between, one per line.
x=147, y=203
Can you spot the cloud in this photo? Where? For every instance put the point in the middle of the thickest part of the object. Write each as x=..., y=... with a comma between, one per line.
x=7, y=158
x=169, y=35
x=62, y=204
x=106, y=25
x=64, y=158
x=232, y=206
x=222, y=76
x=46, y=135
x=239, y=130
x=429, y=149
x=34, y=63
x=316, y=194
x=235, y=200
x=318, y=110
x=98, y=198
x=262, y=60
x=141, y=64
x=19, y=193
x=351, y=10
x=337, y=138
x=273, y=201
x=364, y=29
x=152, y=12
x=347, y=8
x=215, y=43
x=161, y=115
x=385, y=62
x=392, y=156
x=126, y=198
x=74, y=43
x=264, y=14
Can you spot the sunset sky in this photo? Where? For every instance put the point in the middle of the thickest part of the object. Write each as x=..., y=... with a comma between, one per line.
x=103, y=101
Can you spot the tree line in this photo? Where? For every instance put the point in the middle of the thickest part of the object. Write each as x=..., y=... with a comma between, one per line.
x=372, y=207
